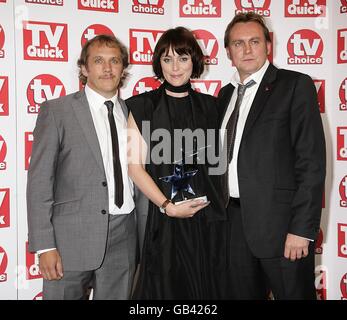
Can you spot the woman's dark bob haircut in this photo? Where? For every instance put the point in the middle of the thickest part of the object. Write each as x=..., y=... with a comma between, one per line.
x=181, y=41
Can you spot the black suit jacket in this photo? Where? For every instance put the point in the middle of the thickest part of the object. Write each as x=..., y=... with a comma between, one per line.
x=281, y=161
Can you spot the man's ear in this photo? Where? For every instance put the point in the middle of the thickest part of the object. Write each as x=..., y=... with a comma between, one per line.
x=268, y=47
x=228, y=53
x=84, y=70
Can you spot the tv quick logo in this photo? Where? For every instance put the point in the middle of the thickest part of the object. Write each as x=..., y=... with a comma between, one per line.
x=4, y=208
x=321, y=282
x=3, y=152
x=343, y=95
x=342, y=240
x=142, y=43
x=2, y=42
x=261, y=7
x=305, y=47
x=209, y=46
x=94, y=30
x=43, y=87
x=343, y=192
x=3, y=265
x=305, y=8
x=320, y=88
x=342, y=143
x=343, y=287
x=146, y=84
x=39, y=296
x=28, y=146
x=200, y=8
x=210, y=87
x=342, y=46
x=47, y=2
x=45, y=41
x=148, y=6
x=98, y=5
x=32, y=264
x=343, y=8
x=4, y=96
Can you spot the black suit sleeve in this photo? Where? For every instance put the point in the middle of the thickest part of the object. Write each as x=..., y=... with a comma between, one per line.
x=308, y=141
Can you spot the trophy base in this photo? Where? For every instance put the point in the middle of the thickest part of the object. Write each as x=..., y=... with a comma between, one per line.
x=199, y=198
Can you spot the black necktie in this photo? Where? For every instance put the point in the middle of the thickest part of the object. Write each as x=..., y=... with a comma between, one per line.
x=232, y=122
x=230, y=135
x=117, y=170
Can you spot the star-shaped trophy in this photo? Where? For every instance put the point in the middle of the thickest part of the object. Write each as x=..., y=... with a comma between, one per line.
x=181, y=189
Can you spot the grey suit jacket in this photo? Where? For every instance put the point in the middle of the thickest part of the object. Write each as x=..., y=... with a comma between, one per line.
x=67, y=197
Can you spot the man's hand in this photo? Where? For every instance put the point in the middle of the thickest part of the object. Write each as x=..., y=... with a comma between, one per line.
x=50, y=265
x=295, y=247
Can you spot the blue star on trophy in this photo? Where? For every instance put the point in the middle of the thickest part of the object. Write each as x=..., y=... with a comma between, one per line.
x=181, y=189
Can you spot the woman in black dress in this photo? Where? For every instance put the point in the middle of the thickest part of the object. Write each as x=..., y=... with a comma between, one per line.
x=184, y=254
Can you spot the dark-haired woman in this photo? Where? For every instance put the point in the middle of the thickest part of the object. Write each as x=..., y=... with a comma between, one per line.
x=184, y=253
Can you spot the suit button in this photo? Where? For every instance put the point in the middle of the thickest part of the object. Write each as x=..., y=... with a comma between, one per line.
x=104, y=184
x=103, y=211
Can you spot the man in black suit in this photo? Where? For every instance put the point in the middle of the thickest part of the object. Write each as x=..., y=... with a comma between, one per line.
x=275, y=172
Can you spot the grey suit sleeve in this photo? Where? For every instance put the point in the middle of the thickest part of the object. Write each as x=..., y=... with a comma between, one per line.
x=41, y=177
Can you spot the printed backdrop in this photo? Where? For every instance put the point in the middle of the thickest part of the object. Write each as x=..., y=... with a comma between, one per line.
x=40, y=41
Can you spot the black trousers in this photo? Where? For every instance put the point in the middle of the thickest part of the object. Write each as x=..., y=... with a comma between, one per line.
x=253, y=278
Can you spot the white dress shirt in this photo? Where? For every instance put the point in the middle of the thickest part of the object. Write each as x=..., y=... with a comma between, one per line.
x=102, y=127
x=244, y=110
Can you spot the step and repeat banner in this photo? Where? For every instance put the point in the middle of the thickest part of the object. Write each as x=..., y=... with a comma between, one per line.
x=40, y=41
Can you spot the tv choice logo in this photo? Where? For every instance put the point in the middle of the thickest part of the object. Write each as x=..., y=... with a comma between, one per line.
x=343, y=192
x=320, y=88
x=41, y=88
x=4, y=111
x=3, y=264
x=341, y=143
x=319, y=242
x=210, y=87
x=142, y=44
x=146, y=84
x=342, y=240
x=261, y=7
x=342, y=46
x=47, y=2
x=45, y=41
x=208, y=44
x=321, y=282
x=305, y=47
x=305, y=8
x=94, y=30
x=343, y=287
x=4, y=207
x=3, y=153
x=98, y=5
x=200, y=8
x=343, y=8
x=2, y=42
x=28, y=146
x=148, y=6
x=32, y=264
x=343, y=95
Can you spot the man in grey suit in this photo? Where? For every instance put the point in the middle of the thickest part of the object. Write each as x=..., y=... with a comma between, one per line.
x=81, y=217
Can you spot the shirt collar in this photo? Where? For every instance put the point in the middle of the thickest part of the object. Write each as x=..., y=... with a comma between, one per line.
x=257, y=76
x=95, y=99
